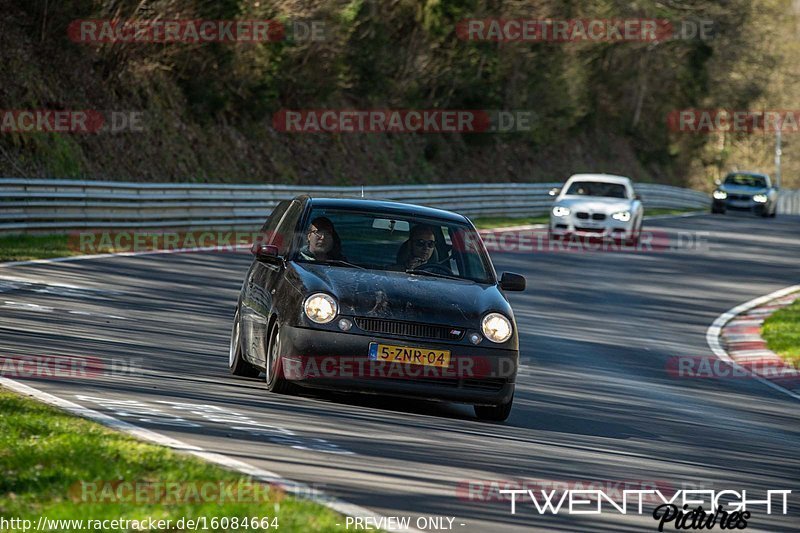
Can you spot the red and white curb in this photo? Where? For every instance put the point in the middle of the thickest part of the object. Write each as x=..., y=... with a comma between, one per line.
x=735, y=337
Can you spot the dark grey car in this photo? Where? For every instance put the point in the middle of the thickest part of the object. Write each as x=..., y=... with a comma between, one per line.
x=746, y=191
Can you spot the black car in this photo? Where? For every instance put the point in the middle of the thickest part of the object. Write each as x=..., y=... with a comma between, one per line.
x=745, y=191
x=377, y=297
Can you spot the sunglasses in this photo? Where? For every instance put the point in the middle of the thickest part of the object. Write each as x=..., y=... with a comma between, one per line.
x=423, y=242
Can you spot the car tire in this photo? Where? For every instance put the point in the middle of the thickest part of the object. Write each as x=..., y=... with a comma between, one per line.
x=274, y=370
x=715, y=211
x=236, y=362
x=494, y=413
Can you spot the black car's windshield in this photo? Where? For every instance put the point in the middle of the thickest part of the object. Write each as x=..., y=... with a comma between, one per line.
x=597, y=188
x=746, y=180
x=380, y=241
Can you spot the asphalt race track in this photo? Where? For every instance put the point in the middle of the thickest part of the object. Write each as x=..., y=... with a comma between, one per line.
x=594, y=402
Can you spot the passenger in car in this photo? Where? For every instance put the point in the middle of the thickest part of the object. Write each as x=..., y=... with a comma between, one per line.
x=323, y=242
x=419, y=249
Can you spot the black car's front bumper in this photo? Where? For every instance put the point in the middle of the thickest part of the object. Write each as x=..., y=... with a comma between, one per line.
x=477, y=375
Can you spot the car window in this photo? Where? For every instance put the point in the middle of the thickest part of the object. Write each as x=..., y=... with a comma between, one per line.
x=267, y=234
x=382, y=241
x=274, y=218
x=285, y=230
x=746, y=180
x=598, y=188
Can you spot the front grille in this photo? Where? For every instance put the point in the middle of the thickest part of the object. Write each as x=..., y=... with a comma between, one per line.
x=594, y=216
x=410, y=329
x=740, y=197
x=590, y=230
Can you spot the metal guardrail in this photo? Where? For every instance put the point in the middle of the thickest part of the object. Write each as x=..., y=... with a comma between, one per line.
x=44, y=205
x=788, y=202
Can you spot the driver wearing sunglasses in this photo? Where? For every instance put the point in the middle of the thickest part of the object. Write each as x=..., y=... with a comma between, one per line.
x=419, y=249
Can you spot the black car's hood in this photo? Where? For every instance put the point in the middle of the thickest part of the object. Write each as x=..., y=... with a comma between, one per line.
x=401, y=296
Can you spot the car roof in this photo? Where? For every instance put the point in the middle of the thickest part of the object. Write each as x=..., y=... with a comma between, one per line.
x=384, y=206
x=605, y=178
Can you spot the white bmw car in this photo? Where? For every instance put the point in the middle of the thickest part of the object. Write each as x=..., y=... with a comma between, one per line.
x=597, y=205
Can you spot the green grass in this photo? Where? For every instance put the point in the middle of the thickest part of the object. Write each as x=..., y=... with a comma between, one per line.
x=45, y=454
x=781, y=330
x=27, y=247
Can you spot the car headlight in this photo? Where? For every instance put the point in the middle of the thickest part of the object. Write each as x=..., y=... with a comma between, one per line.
x=622, y=216
x=719, y=195
x=320, y=308
x=760, y=198
x=560, y=211
x=496, y=327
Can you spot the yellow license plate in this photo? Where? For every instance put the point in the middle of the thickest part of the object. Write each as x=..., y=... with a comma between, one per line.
x=409, y=354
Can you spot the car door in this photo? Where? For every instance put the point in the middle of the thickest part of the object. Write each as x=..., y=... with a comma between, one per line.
x=264, y=279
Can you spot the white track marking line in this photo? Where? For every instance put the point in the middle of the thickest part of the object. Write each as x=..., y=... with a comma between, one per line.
x=97, y=416
x=715, y=330
x=298, y=489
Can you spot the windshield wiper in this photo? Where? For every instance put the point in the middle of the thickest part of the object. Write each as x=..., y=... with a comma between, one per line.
x=433, y=274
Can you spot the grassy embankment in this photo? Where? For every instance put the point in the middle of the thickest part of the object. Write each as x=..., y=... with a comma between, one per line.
x=45, y=454
x=782, y=332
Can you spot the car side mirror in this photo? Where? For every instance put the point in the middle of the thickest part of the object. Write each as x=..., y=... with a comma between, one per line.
x=717, y=182
x=554, y=191
x=266, y=253
x=512, y=282
x=638, y=197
